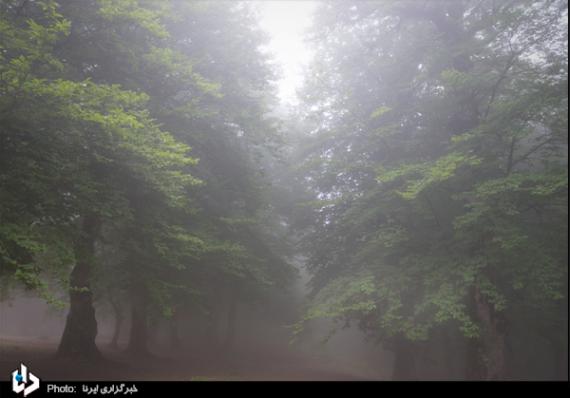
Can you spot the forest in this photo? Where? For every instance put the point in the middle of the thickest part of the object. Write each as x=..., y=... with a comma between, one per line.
x=405, y=217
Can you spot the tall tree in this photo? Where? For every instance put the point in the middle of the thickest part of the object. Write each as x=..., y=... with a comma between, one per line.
x=438, y=160
x=87, y=140
x=131, y=85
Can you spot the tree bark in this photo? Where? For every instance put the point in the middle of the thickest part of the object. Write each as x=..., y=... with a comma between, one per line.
x=175, y=341
x=78, y=339
x=474, y=368
x=404, y=360
x=561, y=363
x=492, y=338
x=119, y=320
x=212, y=330
x=448, y=344
x=138, y=337
x=229, y=339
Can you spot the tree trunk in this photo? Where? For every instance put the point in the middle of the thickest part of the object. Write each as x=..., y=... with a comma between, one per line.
x=78, y=339
x=211, y=331
x=561, y=363
x=493, y=339
x=229, y=339
x=449, y=350
x=139, y=327
x=175, y=341
x=560, y=347
x=404, y=360
x=474, y=368
x=119, y=319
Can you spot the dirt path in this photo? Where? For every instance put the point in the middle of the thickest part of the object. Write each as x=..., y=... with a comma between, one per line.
x=39, y=357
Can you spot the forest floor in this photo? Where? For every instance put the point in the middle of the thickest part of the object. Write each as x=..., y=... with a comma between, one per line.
x=39, y=357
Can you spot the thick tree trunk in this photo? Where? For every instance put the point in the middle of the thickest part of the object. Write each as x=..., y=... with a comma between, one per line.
x=139, y=326
x=175, y=341
x=212, y=330
x=404, y=360
x=449, y=352
x=119, y=320
x=493, y=339
x=229, y=339
x=474, y=368
x=78, y=339
x=562, y=347
x=561, y=363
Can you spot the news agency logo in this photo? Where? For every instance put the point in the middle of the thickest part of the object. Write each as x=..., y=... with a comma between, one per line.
x=20, y=379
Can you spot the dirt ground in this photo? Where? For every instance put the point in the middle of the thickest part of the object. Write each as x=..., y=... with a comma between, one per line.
x=40, y=358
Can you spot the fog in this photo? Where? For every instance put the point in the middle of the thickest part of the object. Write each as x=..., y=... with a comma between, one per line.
x=284, y=190
x=263, y=343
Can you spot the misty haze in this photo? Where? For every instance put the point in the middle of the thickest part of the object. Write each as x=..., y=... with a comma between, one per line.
x=284, y=190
